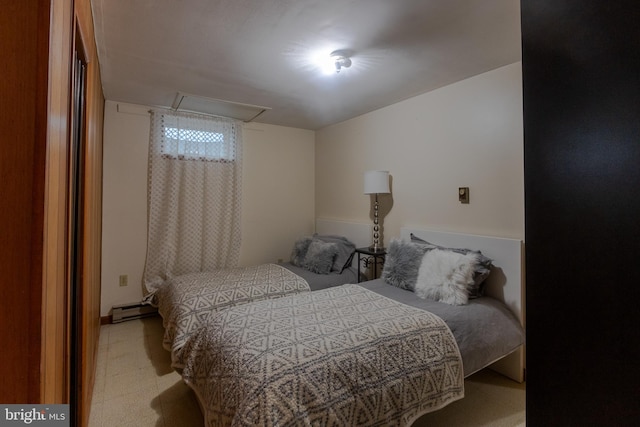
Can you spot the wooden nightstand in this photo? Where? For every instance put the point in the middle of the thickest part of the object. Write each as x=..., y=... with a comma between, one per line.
x=368, y=257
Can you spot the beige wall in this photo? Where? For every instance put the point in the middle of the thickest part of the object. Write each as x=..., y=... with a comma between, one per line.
x=277, y=198
x=277, y=191
x=468, y=134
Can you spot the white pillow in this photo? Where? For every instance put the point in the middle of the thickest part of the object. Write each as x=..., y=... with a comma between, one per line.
x=445, y=276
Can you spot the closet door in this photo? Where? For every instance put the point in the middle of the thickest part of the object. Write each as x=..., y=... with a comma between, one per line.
x=76, y=235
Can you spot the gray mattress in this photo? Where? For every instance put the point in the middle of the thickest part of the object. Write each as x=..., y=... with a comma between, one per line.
x=484, y=329
x=323, y=281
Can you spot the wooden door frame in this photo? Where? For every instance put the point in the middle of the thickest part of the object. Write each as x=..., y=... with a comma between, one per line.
x=54, y=384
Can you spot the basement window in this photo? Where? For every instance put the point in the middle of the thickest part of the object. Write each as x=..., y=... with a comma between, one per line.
x=195, y=144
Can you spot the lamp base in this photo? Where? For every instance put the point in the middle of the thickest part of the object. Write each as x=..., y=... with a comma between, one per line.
x=376, y=249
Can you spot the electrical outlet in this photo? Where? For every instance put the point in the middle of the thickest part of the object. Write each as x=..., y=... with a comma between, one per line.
x=124, y=280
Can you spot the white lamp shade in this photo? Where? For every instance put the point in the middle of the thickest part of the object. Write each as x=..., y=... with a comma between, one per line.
x=376, y=182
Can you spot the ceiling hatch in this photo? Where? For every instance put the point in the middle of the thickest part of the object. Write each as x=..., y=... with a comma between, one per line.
x=217, y=107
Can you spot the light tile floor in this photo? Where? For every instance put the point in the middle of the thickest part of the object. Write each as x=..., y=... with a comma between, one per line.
x=135, y=386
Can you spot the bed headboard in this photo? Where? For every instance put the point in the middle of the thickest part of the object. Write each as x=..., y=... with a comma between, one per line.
x=358, y=232
x=505, y=283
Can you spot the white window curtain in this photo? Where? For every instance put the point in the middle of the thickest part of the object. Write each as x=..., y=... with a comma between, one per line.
x=194, y=195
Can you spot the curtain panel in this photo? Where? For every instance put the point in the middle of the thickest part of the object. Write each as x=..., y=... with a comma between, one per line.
x=194, y=195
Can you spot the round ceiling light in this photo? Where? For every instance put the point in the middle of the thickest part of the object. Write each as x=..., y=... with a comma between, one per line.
x=340, y=59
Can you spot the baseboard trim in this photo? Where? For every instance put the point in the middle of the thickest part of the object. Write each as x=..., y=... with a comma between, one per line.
x=106, y=320
x=131, y=311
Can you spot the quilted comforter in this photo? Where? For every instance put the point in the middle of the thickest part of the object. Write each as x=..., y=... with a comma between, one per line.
x=189, y=301
x=335, y=357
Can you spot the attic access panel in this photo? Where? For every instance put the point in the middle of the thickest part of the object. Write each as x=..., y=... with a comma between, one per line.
x=217, y=107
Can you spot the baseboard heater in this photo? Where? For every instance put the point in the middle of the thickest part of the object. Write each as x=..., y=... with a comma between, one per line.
x=136, y=310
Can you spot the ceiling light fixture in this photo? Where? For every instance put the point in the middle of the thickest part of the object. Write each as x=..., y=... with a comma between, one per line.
x=340, y=60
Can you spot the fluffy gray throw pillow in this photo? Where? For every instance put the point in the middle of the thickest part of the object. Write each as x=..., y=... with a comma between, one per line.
x=299, y=251
x=345, y=247
x=402, y=263
x=319, y=257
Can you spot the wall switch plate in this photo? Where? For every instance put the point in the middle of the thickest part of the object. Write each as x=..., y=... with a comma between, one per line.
x=463, y=194
x=124, y=280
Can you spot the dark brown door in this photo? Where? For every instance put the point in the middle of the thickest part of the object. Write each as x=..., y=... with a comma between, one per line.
x=76, y=229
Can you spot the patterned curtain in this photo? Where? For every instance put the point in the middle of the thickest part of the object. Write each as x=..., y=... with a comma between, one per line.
x=194, y=195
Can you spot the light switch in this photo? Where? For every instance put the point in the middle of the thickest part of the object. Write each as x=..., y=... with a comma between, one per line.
x=463, y=194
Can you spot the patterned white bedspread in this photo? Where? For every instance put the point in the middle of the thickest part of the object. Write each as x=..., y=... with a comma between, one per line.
x=343, y=356
x=187, y=302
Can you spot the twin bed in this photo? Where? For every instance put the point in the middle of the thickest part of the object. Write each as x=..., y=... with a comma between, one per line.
x=366, y=354
x=189, y=301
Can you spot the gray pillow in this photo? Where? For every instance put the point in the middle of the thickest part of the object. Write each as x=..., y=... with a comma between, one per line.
x=299, y=250
x=402, y=263
x=481, y=271
x=320, y=256
x=345, y=247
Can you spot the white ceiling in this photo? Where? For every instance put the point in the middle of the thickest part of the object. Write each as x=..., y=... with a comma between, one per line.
x=259, y=51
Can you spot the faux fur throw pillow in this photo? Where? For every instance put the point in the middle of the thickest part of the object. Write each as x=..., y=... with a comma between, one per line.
x=299, y=251
x=402, y=263
x=445, y=276
x=319, y=257
x=482, y=270
x=345, y=247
